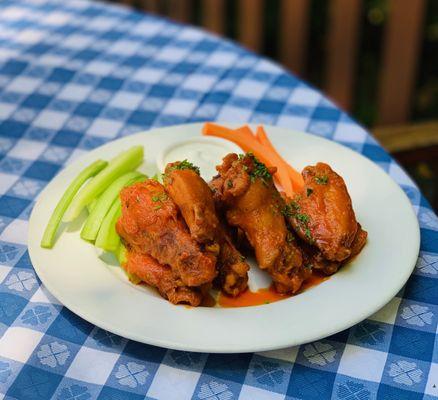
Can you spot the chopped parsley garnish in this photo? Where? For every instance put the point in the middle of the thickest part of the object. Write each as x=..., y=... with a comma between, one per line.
x=289, y=237
x=259, y=170
x=185, y=164
x=321, y=180
x=290, y=209
x=159, y=197
x=308, y=234
x=229, y=184
x=309, y=191
x=287, y=210
x=157, y=207
x=303, y=218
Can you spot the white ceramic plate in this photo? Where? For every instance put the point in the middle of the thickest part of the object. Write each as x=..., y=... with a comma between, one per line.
x=99, y=292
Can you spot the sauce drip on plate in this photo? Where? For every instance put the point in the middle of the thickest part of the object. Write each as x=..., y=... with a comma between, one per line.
x=265, y=295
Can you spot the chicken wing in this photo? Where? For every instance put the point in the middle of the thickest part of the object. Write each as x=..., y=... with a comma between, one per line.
x=150, y=223
x=150, y=271
x=195, y=200
x=252, y=203
x=323, y=215
x=315, y=259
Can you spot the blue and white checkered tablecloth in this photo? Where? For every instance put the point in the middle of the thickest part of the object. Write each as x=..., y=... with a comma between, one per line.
x=76, y=74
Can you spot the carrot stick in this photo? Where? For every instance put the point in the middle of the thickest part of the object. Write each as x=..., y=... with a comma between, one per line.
x=245, y=131
x=212, y=129
x=295, y=176
x=250, y=144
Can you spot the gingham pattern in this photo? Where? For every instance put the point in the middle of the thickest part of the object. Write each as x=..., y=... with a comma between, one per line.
x=74, y=75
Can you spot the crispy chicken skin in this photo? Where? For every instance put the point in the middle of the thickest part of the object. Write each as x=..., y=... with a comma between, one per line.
x=150, y=223
x=253, y=204
x=195, y=200
x=323, y=215
x=314, y=258
x=150, y=271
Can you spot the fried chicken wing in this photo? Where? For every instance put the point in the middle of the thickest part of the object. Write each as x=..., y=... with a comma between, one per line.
x=151, y=224
x=253, y=204
x=323, y=215
x=150, y=271
x=195, y=200
x=315, y=259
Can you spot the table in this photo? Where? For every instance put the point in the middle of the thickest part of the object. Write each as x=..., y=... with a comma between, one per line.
x=76, y=74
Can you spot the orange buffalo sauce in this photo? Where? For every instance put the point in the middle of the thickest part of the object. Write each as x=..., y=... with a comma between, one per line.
x=265, y=295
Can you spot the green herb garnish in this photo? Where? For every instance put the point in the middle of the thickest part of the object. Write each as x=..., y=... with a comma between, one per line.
x=258, y=171
x=159, y=197
x=185, y=164
x=321, y=180
x=229, y=184
x=290, y=209
x=289, y=237
x=303, y=218
x=309, y=191
x=308, y=234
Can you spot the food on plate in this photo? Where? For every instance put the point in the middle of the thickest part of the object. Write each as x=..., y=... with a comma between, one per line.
x=100, y=206
x=93, y=169
x=185, y=236
x=150, y=223
x=252, y=203
x=287, y=177
x=168, y=284
x=322, y=215
x=126, y=161
x=195, y=200
x=280, y=163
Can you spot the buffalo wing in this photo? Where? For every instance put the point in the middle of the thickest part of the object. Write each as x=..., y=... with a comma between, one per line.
x=245, y=188
x=150, y=223
x=195, y=200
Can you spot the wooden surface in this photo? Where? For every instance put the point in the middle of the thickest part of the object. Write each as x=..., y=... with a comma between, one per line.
x=150, y=5
x=213, y=15
x=400, y=55
x=180, y=10
x=407, y=137
x=342, y=46
x=250, y=23
x=294, y=27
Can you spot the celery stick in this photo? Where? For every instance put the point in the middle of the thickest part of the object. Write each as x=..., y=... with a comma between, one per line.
x=92, y=205
x=108, y=239
x=126, y=161
x=120, y=253
x=48, y=238
x=94, y=220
